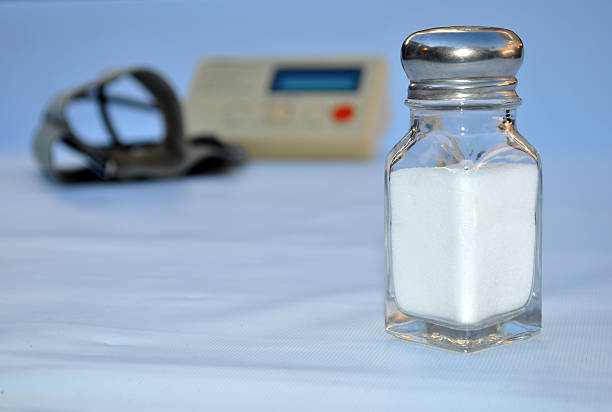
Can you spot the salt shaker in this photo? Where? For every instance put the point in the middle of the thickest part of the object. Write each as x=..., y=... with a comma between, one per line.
x=463, y=197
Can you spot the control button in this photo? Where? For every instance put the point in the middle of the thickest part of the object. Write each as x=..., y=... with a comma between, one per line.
x=343, y=113
x=279, y=112
x=313, y=115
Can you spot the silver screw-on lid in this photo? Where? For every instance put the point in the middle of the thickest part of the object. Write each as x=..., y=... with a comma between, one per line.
x=462, y=64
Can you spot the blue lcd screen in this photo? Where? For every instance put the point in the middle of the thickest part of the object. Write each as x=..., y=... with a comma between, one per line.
x=316, y=80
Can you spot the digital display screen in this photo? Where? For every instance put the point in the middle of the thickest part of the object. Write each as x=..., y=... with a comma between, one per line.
x=316, y=80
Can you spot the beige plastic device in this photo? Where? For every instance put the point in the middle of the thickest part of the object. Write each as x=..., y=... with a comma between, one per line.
x=292, y=107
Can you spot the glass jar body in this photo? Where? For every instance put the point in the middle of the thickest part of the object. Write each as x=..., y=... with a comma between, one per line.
x=463, y=231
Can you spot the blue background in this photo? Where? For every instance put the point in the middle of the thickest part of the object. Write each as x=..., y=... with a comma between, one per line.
x=48, y=46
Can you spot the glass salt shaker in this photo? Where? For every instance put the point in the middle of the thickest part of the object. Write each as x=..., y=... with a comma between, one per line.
x=463, y=197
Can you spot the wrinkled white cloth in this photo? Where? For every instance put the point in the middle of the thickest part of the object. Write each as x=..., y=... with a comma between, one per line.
x=263, y=289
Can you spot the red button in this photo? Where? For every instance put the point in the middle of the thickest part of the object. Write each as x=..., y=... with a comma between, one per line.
x=343, y=113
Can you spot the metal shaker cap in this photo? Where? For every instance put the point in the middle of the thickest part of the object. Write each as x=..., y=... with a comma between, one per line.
x=462, y=65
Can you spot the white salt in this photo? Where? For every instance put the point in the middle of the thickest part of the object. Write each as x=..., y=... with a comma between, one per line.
x=463, y=242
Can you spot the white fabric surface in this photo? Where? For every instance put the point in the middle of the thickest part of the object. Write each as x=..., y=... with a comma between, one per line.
x=263, y=289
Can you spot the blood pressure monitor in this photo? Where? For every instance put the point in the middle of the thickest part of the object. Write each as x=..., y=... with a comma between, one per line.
x=291, y=107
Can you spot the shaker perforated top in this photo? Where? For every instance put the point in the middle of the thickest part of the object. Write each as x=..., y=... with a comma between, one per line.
x=465, y=63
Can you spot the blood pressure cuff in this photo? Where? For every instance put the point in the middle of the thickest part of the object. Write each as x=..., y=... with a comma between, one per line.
x=116, y=161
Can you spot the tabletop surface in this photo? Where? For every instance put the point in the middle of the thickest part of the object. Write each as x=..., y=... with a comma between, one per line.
x=263, y=289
